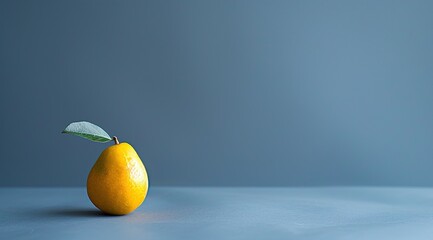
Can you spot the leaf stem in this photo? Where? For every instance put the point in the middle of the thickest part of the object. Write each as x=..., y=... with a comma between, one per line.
x=116, y=140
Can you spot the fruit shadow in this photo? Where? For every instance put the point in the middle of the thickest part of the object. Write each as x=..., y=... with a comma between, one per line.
x=76, y=212
x=86, y=213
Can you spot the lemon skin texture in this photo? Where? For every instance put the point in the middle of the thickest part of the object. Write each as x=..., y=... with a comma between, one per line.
x=118, y=182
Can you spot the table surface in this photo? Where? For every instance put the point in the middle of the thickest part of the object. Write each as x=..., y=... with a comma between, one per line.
x=223, y=213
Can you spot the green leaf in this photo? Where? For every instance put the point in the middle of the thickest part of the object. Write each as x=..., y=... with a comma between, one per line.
x=88, y=131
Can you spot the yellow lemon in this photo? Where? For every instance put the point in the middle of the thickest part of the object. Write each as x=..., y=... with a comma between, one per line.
x=118, y=183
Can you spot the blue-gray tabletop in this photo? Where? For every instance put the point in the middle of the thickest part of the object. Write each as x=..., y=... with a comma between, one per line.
x=223, y=213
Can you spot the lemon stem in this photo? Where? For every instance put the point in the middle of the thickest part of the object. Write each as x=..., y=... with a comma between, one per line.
x=116, y=141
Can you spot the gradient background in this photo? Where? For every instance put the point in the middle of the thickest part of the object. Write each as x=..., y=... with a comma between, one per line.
x=220, y=93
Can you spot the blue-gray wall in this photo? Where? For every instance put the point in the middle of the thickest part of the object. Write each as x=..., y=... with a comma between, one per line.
x=220, y=92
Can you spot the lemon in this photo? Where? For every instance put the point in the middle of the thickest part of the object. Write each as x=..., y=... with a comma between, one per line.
x=117, y=183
